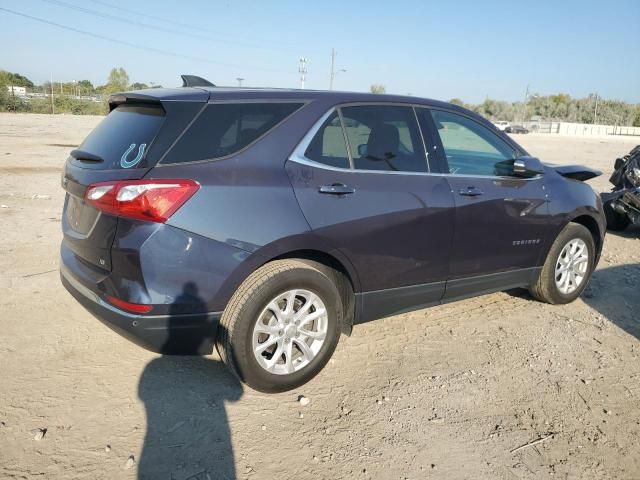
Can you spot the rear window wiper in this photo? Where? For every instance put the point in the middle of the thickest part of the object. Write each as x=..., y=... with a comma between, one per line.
x=85, y=156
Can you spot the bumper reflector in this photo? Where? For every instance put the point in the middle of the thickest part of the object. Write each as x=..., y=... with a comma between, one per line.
x=128, y=306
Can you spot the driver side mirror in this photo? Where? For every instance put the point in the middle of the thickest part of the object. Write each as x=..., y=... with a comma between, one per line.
x=527, y=167
x=362, y=150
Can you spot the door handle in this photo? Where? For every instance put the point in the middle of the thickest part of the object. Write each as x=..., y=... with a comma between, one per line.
x=470, y=192
x=337, y=189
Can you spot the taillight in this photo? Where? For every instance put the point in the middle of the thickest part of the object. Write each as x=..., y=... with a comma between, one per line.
x=151, y=200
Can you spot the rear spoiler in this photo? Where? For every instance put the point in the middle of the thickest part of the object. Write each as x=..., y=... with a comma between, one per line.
x=132, y=98
x=156, y=96
x=576, y=172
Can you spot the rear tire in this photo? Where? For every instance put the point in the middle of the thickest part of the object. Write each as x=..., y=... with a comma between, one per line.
x=568, y=267
x=265, y=335
x=615, y=221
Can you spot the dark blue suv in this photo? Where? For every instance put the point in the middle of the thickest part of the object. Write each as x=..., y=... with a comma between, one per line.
x=268, y=222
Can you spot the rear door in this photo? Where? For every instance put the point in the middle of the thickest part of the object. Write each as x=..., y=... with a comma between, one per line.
x=366, y=189
x=500, y=220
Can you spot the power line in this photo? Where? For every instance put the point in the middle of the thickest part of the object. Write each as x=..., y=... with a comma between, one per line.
x=116, y=18
x=174, y=22
x=108, y=16
x=152, y=17
x=129, y=44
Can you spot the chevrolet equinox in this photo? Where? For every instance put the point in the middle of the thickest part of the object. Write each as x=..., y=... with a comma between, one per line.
x=267, y=222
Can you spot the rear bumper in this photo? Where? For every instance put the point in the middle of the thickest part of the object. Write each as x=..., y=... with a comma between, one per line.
x=182, y=334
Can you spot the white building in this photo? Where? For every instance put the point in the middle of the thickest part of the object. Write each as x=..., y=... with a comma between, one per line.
x=17, y=91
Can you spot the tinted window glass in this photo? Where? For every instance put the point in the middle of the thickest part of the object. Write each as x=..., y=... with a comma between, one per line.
x=114, y=136
x=472, y=149
x=384, y=138
x=328, y=145
x=225, y=128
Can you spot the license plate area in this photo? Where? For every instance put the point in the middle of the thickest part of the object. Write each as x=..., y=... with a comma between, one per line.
x=81, y=218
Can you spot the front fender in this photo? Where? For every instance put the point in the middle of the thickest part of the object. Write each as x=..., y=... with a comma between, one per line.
x=573, y=201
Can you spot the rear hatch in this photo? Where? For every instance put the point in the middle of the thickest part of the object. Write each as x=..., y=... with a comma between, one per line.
x=126, y=144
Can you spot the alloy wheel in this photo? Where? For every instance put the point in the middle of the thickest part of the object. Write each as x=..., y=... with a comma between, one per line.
x=290, y=331
x=572, y=266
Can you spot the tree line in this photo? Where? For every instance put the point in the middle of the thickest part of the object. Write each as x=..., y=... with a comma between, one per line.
x=82, y=97
x=560, y=107
x=77, y=97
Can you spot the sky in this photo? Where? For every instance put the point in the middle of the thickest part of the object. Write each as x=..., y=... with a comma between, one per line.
x=438, y=49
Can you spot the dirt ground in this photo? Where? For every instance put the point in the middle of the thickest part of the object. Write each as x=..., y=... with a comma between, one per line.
x=497, y=387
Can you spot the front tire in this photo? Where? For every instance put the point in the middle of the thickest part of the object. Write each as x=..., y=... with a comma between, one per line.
x=282, y=325
x=568, y=266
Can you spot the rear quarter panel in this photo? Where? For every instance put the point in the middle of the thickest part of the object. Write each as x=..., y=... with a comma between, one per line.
x=247, y=202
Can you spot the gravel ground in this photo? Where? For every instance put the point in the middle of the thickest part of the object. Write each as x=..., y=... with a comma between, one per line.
x=496, y=387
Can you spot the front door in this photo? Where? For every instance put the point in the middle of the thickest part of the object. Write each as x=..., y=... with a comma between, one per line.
x=501, y=219
x=365, y=189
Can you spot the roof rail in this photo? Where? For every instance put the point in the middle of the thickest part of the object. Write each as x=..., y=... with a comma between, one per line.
x=194, y=81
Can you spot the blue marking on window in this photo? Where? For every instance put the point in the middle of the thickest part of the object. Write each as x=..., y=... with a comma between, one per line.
x=124, y=163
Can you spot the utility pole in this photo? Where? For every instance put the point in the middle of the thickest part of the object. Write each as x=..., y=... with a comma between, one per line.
x=302, y=69
x=334, y=72
x=524, y=106
x=52, y=108
x=333, y=68
x=595, y=111
x=239, y=79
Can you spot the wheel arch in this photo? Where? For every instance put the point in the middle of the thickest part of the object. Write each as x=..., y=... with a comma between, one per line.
x=305, y=247
x=346, y=281
x=318, y=256
x=586, y=218
x=591, y=224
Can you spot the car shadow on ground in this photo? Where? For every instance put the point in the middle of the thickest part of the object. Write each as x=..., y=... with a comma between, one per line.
x=615, y=293
x=612, y=291
x=632, y=231
x=188, y=435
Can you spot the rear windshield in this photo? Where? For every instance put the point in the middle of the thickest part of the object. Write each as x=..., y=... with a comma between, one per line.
x=124, y=136
x=223, y=129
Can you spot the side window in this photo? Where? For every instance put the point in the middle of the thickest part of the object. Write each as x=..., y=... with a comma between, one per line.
x=384, y=138
x=328, y=145
x=225, y=128
x=472, y=149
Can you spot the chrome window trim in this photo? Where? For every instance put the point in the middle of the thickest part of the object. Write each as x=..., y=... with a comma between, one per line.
x=298, y=156
x=299, y=152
